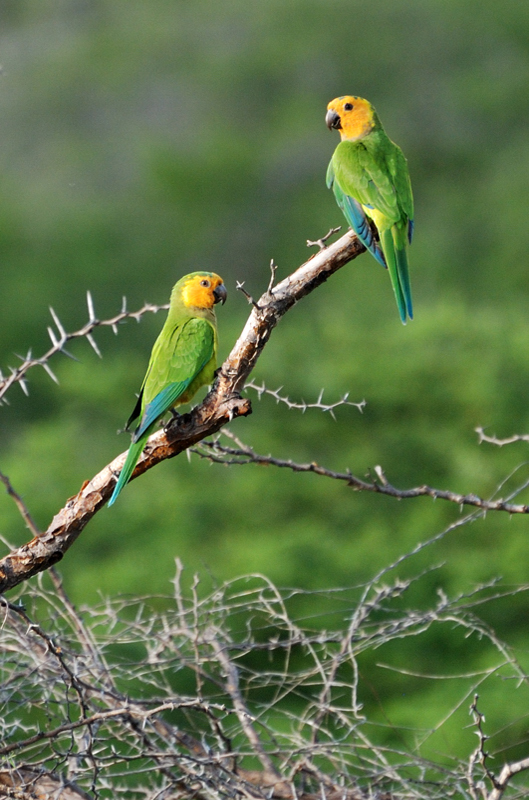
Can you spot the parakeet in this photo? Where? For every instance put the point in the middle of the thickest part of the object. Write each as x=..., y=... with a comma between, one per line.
x=369, y=176
x=182, y=360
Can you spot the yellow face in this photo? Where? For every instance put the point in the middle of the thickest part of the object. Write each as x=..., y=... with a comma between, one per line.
x=203, y=290
x=352, y=116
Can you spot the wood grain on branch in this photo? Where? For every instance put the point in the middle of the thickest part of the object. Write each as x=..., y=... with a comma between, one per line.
x=222, y=404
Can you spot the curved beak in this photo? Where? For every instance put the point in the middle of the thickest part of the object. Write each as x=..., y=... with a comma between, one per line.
x=332, y=120
x=220, y=294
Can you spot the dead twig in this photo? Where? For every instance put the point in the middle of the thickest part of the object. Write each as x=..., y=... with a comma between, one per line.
x=321, y=242
x=240, y=288
x=241, y=709
x=24, y=511
x=500, y=783
x=59, y=337
x=500, y=442
x=215, y=451
x=303, y=406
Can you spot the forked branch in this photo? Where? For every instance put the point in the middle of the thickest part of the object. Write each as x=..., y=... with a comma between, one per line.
x=222, y=404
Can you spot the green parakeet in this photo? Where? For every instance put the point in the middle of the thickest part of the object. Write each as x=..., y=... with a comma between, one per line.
x=182, y=360
x=370, y=179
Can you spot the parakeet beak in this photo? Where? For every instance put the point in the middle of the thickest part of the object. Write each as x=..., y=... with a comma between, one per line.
x=220, y=294
x=332, y=120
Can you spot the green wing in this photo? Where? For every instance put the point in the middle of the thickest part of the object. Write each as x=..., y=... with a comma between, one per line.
x=177, y=368
x=376, y=175
x=179, y=356
x=355, y=216
x=168, y=364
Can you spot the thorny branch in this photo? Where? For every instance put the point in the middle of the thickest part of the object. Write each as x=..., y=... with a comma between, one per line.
x=500, y=442
x=273, y=689
x=221, y=405
x=303, y=406
x=60, y=337
x=245, y=718
x=500, y=783
x=243, y=454
x=480, y=754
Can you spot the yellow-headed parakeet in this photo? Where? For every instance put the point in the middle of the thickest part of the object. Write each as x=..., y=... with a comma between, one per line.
x=370, y=179
x=183, y=359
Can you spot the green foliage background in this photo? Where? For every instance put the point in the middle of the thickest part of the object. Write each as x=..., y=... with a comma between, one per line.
x=141, y=141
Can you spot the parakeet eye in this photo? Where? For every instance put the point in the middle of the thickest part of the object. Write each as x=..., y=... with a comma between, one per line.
x=348, y=107
x=204, y=283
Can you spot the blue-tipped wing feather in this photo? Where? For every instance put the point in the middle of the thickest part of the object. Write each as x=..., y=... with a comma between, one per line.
x=356, y=217
x=161, y=403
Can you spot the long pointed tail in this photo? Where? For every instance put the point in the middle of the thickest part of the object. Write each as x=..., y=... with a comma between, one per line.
x=394, y=247
x=404, y=277
x=128, y=467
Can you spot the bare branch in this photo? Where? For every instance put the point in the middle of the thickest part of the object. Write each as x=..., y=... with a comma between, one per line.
x=24, y=511
x=508, y=771
x=500, y=783
x=303, y=406
x=500, y=442
x=59, y=341
x=274, y=689
x=27, y=784
x=481, y=754
x=241, y=709
x=246, y=455
x=251, y=301
x=142, y=714
x=321, y=242
x=221, y=405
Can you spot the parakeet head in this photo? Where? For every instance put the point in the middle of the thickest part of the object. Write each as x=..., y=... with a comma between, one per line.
x=353, y=116
x=201, y=290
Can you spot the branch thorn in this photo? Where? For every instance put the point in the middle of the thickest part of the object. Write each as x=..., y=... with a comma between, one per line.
x=273, y=270
x=240, y=287
x=321, y=242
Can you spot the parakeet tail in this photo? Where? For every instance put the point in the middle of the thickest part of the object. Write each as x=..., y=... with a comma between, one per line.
x=128, y=467
x=404, y=277
x=398, y=272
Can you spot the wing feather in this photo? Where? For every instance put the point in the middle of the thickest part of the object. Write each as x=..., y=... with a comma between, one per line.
x=355, y=216
x=377, y=177
x=177, y=360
